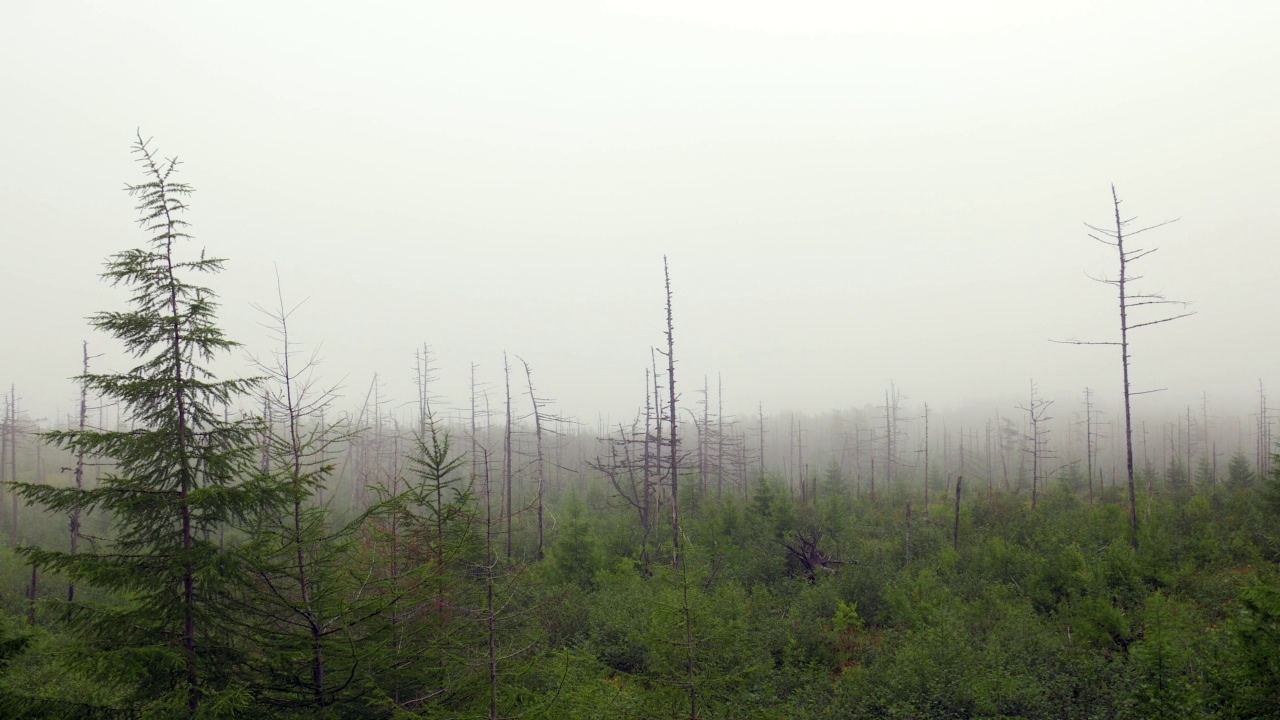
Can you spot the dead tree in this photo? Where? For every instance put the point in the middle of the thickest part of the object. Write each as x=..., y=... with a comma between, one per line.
x=634, y=479
x=506, y=452
x=1039, y=437
x=79, y=469
x=620, y=470
x=760, y=410
x=1208, y=446
x=1089, y=447
x=13, y=463
x=909, y=530
x=926, y=473
x=1007, y=436
x=703, y=429
x=648, y=475
x=657, y=442
x=892, y=400
x=673, y=443
x=955, y=532
x=1129, y=302
x=1263, y=462
x=719, y=436
x=806, y=550
x=490, y=562
x=889, y=432
x=989, y=440
x=475, y=438
x=539, y=457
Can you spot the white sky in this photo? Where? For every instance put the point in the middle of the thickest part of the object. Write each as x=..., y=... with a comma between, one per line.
x=849, y=193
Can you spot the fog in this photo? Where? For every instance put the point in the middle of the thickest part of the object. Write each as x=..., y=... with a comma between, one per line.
x=848, y=195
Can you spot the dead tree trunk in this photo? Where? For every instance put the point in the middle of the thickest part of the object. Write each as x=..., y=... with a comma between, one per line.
x=506, y=452
x=763, y=468
x=1264, y=434
x=490, y=613
x=13, y=461
x=955, y=532
x=1039, y=438
x=673, y=441
x=909, y=530
x=888, y=444
x=1088, y=438
x=79, y=471
x=4, y=457
x=539, y=467
x=1128, y=301
x=702, y=436
x=647, y=478
x=926, y=471
x=719, y=436
x=806, y=550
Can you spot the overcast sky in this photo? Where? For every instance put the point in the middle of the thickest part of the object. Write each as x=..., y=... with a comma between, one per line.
x=849, y=193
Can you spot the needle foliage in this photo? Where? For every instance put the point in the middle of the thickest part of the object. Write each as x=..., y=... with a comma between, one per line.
x=182, y=471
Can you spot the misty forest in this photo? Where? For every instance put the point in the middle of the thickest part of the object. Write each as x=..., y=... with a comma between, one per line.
x=198, y=539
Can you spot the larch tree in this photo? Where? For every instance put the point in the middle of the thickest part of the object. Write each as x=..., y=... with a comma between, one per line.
x=181, y=471
x=299, y=612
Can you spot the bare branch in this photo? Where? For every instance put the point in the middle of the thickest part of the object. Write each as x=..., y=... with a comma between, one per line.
x=1081, y=342
x=1157, y=322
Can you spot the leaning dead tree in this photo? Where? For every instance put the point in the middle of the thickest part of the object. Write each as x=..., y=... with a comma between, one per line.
x=1129, y=302
x=540, y=472
x=806, y=550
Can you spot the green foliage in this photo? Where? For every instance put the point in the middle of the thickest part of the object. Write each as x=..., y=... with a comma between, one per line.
x=1164, y=679
x=575, y=559
x=1240, y=474
x=1252, y=684
x=181, y=474
x=224, y=587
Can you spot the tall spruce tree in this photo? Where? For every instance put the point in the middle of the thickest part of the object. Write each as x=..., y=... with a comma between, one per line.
x=181, y=473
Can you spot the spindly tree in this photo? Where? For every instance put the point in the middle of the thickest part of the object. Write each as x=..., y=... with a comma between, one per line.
x=1131, y=302
x=301, y=615
x=181, y=473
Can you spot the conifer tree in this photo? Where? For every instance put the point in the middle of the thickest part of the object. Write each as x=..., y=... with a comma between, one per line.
x=183, y=471
x=301, y=615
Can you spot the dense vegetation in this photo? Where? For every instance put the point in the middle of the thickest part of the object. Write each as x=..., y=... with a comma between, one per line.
x=1045, y=613
x=227, y=566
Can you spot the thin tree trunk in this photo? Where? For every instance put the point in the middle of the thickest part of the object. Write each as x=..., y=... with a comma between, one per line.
x=490, y=563
x=13, y=462
x=909, y=530
x=955, y=533
x=31, y=598
x=647, y=472
x=719, y=436
x=1088, y=438
x=538, y=466
x=79, y=471
x=1124, y=361
x=506, y=452
x=674, y=449
x=926, y=466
